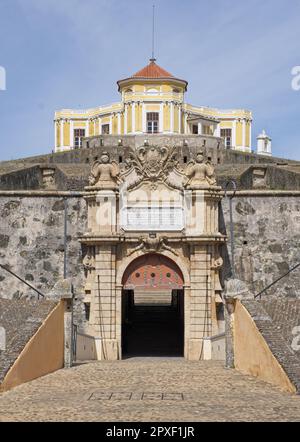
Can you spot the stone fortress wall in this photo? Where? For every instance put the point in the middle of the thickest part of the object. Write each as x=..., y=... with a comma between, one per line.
x=32, y=242
x=32, y=191
x=266, y=228
x=70, y=170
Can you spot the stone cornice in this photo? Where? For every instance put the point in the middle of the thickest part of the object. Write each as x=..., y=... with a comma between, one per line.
x=135, y=237
x=264, y=192
x=41, y=193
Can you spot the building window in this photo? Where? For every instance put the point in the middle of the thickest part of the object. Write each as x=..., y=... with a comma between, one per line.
x=152, y=122
x=79, y=134
x=105, y=129
x=227, y=135
x=195, y=129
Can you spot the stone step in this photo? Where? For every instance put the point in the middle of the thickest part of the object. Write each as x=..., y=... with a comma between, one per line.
x=152, y=298
x=21, y=319
x=275, y=322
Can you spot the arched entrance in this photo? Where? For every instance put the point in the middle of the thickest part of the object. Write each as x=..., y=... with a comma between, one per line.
x=152, y=307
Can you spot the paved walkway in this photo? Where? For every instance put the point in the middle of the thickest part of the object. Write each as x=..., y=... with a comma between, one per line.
x=148, y=390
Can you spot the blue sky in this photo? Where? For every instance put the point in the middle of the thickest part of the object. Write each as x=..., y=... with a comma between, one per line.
x=70, y=53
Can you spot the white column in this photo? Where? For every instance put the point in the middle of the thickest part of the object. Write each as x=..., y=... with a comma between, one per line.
x=200, y=128
x=217, y=132
x=100, y=126
x=244, y=135
x=119, y=123
x=55, y=135
x=185, y=124
x=250, y=134
x=133, y=116
x=125, y=120
x=62, y=134
x=233, y=139
x=72, y=134
x=179, y=118
x=110, y=125
x=95, y=126
x=87, y=128
x=161, y=118
x=172, y=117
x=144, y=128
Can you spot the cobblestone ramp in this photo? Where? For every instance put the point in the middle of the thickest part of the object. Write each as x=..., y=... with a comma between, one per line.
x=276, y=318
x=21, y=319
x=148, y=390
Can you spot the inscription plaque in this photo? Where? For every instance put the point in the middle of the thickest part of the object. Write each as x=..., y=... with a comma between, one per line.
x=152, y=218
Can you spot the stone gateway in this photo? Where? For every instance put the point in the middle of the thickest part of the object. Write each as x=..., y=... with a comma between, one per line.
x=172, y=269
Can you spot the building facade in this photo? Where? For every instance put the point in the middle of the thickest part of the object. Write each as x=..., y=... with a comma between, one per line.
x=152, y=101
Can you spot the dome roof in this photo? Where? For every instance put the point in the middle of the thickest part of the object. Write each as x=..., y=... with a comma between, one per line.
x=152, y=72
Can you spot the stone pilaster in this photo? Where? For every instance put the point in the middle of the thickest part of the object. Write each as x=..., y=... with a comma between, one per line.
x=102, y=211
x=103, y=313
x=199, y=320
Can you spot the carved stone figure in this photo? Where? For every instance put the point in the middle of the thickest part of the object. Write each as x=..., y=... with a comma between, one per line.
x=153, y=244
x=105, y=174
x=199, y=174
x=88, y=261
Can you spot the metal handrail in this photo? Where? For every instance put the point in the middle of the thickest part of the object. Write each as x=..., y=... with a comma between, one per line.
x=276, y=280
x=22, y=280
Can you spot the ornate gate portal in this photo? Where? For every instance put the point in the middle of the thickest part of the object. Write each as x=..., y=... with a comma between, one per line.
x=153, y=252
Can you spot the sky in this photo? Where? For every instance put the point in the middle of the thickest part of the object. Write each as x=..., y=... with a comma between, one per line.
x=70, y=53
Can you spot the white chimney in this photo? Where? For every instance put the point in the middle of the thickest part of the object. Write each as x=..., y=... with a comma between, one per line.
x=264, y=144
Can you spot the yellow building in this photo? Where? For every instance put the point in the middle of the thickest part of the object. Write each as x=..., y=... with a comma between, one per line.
x=152, y=101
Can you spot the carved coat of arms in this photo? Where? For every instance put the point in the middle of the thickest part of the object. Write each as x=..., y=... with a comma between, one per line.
x=153, y=164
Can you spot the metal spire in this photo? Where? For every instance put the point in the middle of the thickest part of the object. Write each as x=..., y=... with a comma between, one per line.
x=152, y=59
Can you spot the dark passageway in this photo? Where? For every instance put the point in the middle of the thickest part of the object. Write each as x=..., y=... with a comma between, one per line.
x=153, y=326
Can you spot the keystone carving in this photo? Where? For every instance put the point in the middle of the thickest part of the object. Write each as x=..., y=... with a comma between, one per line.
x=153, y=244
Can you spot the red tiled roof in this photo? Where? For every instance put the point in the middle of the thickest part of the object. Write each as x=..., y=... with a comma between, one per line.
x=152, y=70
